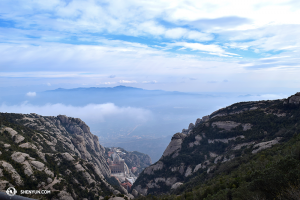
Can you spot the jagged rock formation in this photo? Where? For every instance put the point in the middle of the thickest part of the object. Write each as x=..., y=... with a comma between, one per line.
x=136, y=161
x=56, y=153
x=244, y=128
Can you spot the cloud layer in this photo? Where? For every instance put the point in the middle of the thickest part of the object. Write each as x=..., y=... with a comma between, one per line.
x=91, y=113
x=135, y=42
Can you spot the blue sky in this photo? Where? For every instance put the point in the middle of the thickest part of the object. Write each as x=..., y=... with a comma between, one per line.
x=195, y=46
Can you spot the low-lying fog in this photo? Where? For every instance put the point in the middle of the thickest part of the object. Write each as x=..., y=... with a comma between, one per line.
x=135, y=119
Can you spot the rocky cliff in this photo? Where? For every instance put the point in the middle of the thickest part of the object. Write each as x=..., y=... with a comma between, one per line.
x=136, y=161
x=55, y=153
x=240, y=130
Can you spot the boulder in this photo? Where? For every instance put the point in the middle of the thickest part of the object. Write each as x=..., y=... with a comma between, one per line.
x=188, y=172
x=27, y=168
x=11, y=131
x=28, y=145
x=19, y=138
x=67, y=156
x=176, y=185
x=19, y=156
x=14, y=174
x=38, y=165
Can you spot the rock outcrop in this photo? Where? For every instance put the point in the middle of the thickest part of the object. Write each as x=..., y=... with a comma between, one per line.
x=38, y=149
x=221, y=137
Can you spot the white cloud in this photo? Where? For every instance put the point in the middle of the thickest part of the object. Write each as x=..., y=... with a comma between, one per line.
x=211, y=48
x=154, y=81
x=31, y=94
x=89, y=113
x=126, y=81
x=109, y=83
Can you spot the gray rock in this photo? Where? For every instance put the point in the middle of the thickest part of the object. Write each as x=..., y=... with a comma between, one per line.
x=116, y=198
x=295, y=99
x=49, y=180
x=175, y=144
x=11, y=131
x=19, y=138
x=197, y=167
x=49, y=172
x=27, y=168
x=19, y=156
x=135, y=193
x=150, y=170
x=79, y=167
x=130, y=196
x=67, y=156
x=176, y=185
x=3, y=185
x=265, y=145
x=6, y=145
x=227, y=125
x=38, y=165
x=188, y=172
x=14, y=174
x=141, y=190
x=191, y=126
x=28, y=145
x=170, y=181
x=1, y=173
x=63, y=195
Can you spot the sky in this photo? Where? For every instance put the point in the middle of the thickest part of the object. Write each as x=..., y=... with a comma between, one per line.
x=179, y=45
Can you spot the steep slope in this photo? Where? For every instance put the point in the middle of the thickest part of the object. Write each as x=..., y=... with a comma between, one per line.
x=55, y=153
x=240, y=130
x=136, y=161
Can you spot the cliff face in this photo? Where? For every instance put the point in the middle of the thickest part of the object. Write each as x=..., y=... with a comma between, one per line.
x=241, y=129
x=57, y=153
x=136, y=161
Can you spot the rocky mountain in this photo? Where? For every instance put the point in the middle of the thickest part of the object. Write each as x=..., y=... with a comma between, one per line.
x=218, y=144
x=136, y=161
x=54, y=153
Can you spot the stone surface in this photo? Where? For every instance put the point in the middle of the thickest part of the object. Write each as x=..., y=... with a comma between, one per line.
x=227, y=125
x=295, y=99
x=265, y=145
x=11, y=131
x=150, y=170
x=141, y=190
x=38, y=165
x=176, y=185
x=14, y=174
x=135, y=193
x=28, y=145
x=63, y=195
x=79, y=167
x=116, y=198
x=197, y=167
x=188, y=172
x=175, y=144
x=27, y=168
x=67, y=156
x=19, y=156
x=19, y=138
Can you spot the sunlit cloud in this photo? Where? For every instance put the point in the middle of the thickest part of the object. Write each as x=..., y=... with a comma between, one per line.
x=31, y=94
x=89, y=113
